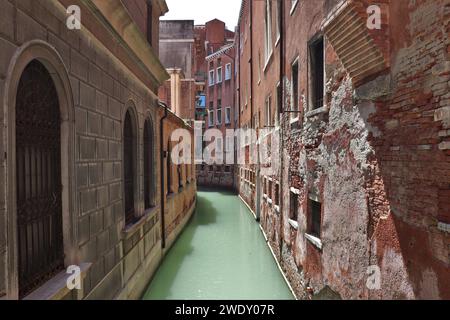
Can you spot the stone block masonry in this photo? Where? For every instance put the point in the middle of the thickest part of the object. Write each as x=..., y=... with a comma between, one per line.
x=101, y=82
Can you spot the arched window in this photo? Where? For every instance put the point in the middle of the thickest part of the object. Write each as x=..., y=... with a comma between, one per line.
x=129, y=168
x=38, y=179
x=148, y=166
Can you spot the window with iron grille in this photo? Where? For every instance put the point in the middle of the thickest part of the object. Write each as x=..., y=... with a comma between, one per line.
x=316, y=76
x=38, y=179
x=148, y=166
x=129, y=149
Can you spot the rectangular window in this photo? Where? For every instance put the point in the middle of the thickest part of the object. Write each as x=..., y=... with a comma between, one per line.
x=315, y=218
x=228, y=71
x=269, y=112
x=270, y=190
x=219, y=75
x=219, y=116
x=211, y=118
x=268, y=30
x=279, y=104
x=294, y=103
x=219, y=145
x=277, y=194
x=316, y=73
x=227, y=115
x=293, y=5
x=211, y=78
x=293, y=210
x=229, y=143
x=278, y=26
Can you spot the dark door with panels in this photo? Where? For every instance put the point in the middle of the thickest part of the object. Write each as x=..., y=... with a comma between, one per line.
x=38, y=179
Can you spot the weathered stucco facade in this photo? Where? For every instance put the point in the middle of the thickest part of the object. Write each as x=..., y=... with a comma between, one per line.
x=370, y=164
x=102, y=75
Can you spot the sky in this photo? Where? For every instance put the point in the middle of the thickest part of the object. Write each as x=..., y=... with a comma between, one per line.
x=204, y=10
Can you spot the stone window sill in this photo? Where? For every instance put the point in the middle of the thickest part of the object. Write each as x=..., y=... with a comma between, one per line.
x=294, y=190
x=294, y=224
x=56, y=288
x=277, y=208
x=131, y=230
x=318, y=111
x=314, y=240
x=445, y=227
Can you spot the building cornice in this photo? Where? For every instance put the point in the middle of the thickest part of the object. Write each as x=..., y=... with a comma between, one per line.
x=111, y=24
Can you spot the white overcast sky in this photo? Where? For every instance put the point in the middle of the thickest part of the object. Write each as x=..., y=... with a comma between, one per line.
x=204, y=10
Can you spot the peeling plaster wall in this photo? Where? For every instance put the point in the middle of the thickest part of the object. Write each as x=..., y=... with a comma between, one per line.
x=378, y=159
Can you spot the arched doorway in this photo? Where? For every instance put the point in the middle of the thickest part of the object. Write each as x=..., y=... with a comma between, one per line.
x=40, y=243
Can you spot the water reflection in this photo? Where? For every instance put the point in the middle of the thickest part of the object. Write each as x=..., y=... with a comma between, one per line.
x=220, y=255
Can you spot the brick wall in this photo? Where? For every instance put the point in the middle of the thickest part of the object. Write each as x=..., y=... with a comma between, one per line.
x=375, y=156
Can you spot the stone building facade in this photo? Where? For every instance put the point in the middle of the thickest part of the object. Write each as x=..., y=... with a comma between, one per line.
x=245, y=87
x=190, y=53
x=220, y=101
x=85, y=140
x=357, y=203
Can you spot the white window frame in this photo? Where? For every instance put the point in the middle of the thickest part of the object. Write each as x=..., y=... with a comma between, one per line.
x=229, y=143
x=278, y=107
x=294, y=4
x=278, y=34
x=219, y=77
x=211, y=78
x=268, y=111
x=295, y=115
x=219, y=119
x=211, y=118
x=228, y=71
x=227, y=118
x=268, y=31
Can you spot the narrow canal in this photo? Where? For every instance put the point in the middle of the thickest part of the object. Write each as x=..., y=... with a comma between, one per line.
x=221, y=254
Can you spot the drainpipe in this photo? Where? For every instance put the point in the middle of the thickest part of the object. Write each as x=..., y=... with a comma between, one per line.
x=282, y=66
x=162, y=153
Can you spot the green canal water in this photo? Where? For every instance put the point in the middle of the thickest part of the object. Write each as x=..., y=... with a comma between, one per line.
x=221, y=254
